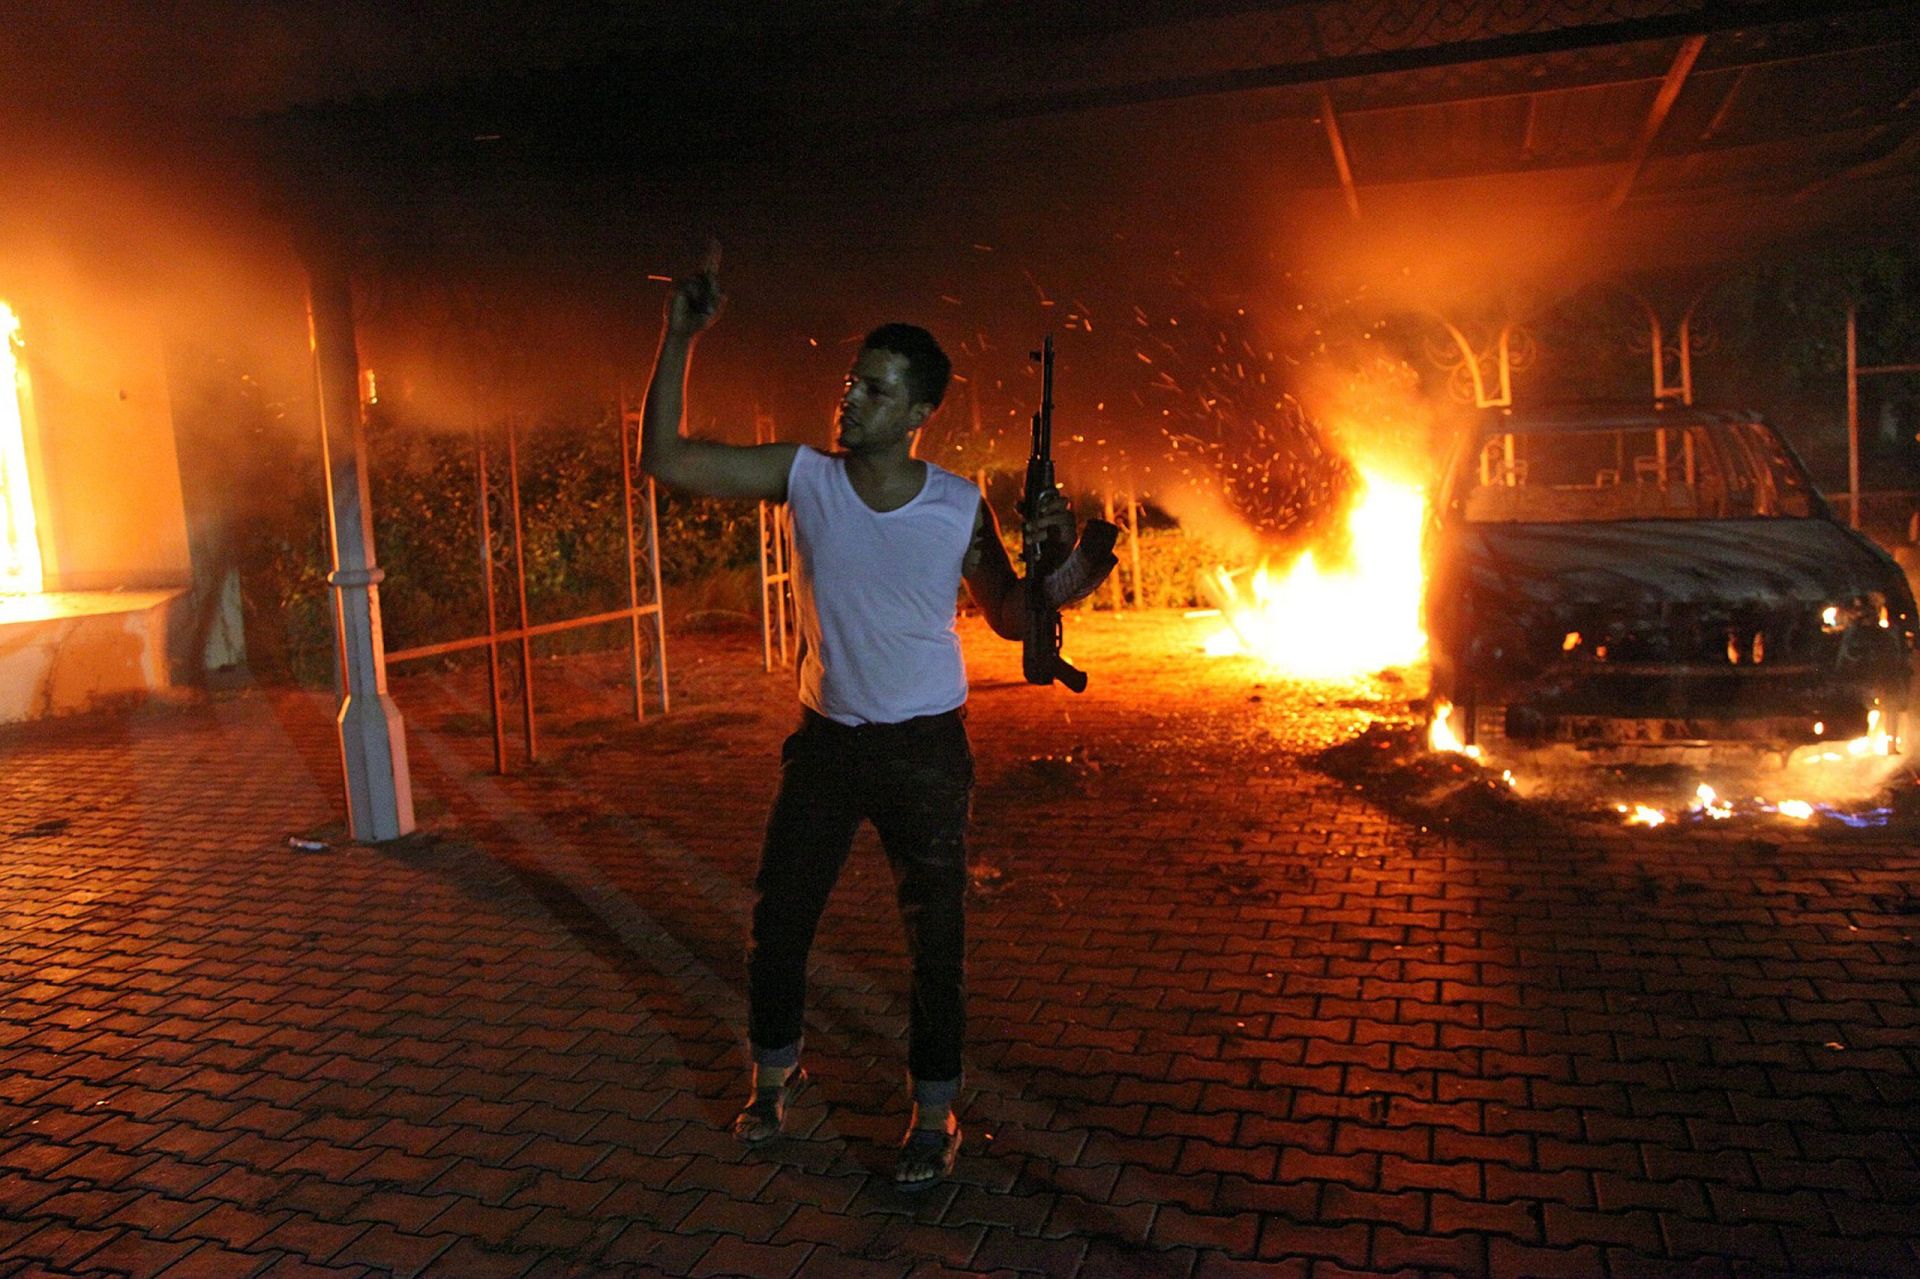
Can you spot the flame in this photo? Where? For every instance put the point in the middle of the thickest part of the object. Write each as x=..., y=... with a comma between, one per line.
x=1443, y=740
x=1843, y=793
x=1319, y=623
x=1711, y=804
x=20, y=568
x=1837, y=781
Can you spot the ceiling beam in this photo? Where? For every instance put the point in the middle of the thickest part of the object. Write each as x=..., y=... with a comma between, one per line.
x=1706, y=20
x=1663, y=101
x=1339, y=147
x=1740, y=67
x=1724, y=111
x=1893, y=149
x=1863, y=135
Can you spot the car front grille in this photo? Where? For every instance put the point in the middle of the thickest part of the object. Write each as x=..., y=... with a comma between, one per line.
x=1714, y=638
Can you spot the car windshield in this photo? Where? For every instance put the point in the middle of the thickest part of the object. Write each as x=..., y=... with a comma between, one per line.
x=1688, y=471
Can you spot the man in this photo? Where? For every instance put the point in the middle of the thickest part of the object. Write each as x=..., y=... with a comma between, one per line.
x=882, y=541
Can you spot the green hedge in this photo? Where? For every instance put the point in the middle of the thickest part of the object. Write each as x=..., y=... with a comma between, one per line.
x=427, y=539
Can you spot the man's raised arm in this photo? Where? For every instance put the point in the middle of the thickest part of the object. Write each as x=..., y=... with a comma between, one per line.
x=700, y=466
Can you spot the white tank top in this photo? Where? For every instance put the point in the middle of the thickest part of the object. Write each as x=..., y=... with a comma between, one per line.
x=877, y=592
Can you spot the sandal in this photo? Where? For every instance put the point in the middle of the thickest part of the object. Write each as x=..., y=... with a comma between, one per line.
x=763, y=1117
x=927, y=1157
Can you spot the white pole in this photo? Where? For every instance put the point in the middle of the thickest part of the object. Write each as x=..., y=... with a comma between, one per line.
x=373, y=741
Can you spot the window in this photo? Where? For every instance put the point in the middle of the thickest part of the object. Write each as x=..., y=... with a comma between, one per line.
x=20, y=569
x=1687, y=471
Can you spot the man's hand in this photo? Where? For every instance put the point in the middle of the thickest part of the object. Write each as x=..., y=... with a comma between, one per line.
x=697, y=298
x=696, y=301
x=1051, y=521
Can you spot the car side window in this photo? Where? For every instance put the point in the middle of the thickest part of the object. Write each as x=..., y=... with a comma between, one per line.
x=1673, y=471
x=1783, y=486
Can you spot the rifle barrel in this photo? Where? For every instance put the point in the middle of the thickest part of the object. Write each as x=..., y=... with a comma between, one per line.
x=1043, y=444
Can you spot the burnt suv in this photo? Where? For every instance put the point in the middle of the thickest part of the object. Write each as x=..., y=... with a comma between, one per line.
x=1640, y=582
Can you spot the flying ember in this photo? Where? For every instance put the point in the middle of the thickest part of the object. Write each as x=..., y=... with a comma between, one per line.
x=1341, y=622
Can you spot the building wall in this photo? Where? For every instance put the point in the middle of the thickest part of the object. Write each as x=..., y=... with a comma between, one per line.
x=101, y=445
x=61, y=654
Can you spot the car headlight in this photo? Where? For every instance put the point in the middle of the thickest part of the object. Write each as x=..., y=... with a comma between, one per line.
x=1863, y=610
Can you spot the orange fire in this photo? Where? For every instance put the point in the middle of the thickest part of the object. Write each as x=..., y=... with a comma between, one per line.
x=1336, y=623
x=20, y=568
x=1441, y=739
x=1841, y=781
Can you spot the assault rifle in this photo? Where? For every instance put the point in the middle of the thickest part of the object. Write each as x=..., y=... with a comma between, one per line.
x=1040, y=658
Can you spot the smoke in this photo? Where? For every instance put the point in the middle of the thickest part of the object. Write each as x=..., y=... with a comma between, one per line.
x=1370, y=396
x=140, y=193
x=1194, y=291
x=134, y=185
x=1205, y=514
x=123, y=69
x=128, y=230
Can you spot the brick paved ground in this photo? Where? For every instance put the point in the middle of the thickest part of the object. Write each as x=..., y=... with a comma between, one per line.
x=1229, y=1016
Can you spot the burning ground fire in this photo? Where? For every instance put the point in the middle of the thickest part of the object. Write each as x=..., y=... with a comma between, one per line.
x=1335, y=622
x=1842, y=782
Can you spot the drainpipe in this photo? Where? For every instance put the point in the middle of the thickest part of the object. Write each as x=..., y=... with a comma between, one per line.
x=373, y=741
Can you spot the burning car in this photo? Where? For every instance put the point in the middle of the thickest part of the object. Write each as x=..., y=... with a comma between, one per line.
x=1651, y=585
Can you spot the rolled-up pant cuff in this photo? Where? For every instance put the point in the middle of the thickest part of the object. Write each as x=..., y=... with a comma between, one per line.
x=786, y=1056
x=935, y=1092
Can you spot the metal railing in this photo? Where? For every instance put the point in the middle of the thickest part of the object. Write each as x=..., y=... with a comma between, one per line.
x=639, y=544
x=778, y=619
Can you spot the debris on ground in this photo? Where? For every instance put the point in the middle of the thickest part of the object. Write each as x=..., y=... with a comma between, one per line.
x=1058, y=776
x=1393, y=766
x=986, y=880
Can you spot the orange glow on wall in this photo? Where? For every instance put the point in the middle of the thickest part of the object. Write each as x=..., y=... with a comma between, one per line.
x=20, y=567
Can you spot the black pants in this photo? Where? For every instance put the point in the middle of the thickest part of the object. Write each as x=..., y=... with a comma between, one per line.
x=913, y=780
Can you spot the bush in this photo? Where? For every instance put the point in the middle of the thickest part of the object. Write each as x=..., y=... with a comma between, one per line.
x=425, y=498
x=572, y=524
x=426, y=534
x=1172, y=566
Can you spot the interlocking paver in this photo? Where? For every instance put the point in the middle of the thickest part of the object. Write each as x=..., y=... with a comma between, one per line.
x=294, y=1267
x=819, y=1266
x=1506, y=1257
x=1176, y=1226
x=472, y=1260
x=212, y=1261
x=1230, y=1015
x=734, y=1257
x=63, y=1243
x=1283, y=1240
